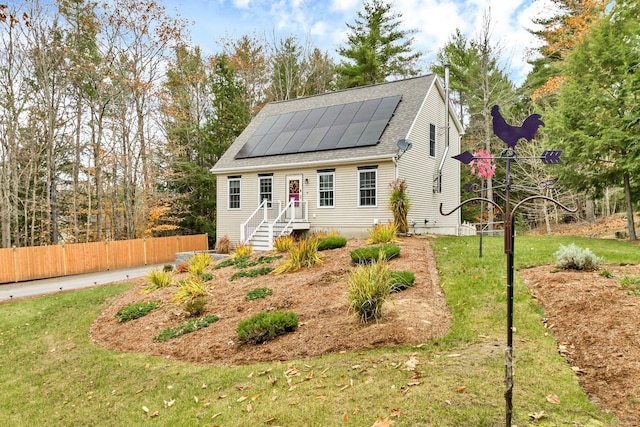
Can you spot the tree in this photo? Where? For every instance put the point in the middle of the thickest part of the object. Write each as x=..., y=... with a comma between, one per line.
x=377, y=48
x=480, y=83
x=597, y=120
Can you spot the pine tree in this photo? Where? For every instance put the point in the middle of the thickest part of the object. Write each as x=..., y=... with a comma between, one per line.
x=377, y=48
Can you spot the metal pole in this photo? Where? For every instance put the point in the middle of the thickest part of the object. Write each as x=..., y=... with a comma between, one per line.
x=508, y=248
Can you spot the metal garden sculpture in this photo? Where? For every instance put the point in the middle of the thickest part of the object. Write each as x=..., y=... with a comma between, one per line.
x=510, y=135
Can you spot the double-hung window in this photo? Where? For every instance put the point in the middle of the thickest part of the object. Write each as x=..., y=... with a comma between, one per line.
x=326, y=188
x=367, y=185
x=432, y=140
x=265, y=190
x=233, y=187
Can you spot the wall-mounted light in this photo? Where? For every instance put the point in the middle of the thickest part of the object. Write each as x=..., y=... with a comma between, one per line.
x=306, y=180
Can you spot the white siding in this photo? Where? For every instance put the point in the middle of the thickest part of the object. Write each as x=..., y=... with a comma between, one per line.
x=345, y=216
x=419, y=169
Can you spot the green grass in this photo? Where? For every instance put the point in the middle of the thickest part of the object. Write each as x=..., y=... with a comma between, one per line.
x=52, y=374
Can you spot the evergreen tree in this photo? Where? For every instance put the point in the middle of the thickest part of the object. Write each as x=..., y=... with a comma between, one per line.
x=377, y=48
x=597, y=120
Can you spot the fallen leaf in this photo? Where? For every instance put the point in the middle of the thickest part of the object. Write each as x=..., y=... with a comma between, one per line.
x=145, y=409
x=169, y=403
x=396, y=412
x=249, y=407
x=461, y=389
x=345, y=417
x=241, y=398
x=382, y=422
x=195, y=399
x=411, y=363
x=216, y=415
x=254, y=397
x=155, y=414
x=537, y=415
x=552, y=398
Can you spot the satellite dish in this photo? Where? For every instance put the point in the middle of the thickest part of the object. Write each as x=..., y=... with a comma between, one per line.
x=403, y=146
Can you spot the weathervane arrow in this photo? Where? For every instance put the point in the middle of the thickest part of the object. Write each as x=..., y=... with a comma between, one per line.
x=549, y=157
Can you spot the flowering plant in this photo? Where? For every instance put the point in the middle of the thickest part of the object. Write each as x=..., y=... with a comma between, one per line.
x=483, y=165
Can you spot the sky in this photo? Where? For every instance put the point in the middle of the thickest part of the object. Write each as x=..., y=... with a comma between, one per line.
x=323, y=23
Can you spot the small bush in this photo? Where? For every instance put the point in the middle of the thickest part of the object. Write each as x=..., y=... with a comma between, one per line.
x=189, y=288
x=205, y=277
x=190, y=325
x=245, y=262
x=158, y=279
x=136, y=310
x=258, y=293
x=223, y=245
x=573, y=257
x=198, y=263
x=331, y=242
x=283, y=243
x=368, y=289
x=369, y=254
x=195, y=307
x=167, y=268
x=401, y=280
x=383, y=233
x=254, y=272
x=182, y=267
x=242, y=251
x=606, y=274
x=266, y=326
x=229, y=262
x=302, y=254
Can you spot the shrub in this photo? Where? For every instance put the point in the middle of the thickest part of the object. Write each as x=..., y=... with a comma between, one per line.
x=573, y=257
x=189, y=288
x=206, y=277
x=158, y=279
x=242, y=251
x=198, y=262
x=245, y=262
x=167, y=268
x=195, y=307
x=223, y=245
x=283, y=243
x=258, y=293
x=399, y=203
x=302, y=254
x=190, y=325
x=382, y=233
x=368, y=289
x=182, y=267
x=331, y=242
x=266, y=326
x=255, y=272
x=606, y=274
x=401, y=280
x=370, y=254
x=136, y=310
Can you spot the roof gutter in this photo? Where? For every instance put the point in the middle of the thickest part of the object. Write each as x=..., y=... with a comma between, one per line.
x=282, y=166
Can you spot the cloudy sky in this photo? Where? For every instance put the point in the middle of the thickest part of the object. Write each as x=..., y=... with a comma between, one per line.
x=323, y=22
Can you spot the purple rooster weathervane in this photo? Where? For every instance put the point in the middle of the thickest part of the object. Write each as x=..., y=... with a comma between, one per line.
x=510, y=135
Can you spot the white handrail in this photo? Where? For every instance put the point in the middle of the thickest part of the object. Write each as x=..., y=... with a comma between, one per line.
x=249, y=227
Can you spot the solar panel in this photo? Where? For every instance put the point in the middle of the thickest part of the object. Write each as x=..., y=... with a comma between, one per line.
x=354, y=124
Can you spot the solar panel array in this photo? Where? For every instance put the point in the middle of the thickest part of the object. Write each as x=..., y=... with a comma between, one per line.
x=356, y=124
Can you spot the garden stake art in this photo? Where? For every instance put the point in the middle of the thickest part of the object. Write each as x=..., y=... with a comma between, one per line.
x=481, y=162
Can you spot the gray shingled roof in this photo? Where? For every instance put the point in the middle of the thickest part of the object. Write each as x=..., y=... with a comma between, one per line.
x=413, y=92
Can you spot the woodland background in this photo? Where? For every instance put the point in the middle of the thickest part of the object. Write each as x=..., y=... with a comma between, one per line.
x=110, y=119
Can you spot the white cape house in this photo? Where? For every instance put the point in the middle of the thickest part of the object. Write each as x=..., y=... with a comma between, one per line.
x=325, y=162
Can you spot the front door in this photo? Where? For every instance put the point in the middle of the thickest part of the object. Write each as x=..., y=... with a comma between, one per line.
x=294, y=192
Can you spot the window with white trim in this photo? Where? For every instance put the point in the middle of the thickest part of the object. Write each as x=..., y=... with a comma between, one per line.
x=326, y=188
x=265, y=190
x=367, y=185
x=233, y=189
x=432, y=140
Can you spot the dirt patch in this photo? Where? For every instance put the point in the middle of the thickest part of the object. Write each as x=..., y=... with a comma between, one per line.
x=597, y=324
x=318, y=297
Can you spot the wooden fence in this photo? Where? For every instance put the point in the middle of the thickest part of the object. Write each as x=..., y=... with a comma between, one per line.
x=39, y=262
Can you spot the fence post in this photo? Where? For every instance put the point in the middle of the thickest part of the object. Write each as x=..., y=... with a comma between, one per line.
x=106, y=251
x=15, y=265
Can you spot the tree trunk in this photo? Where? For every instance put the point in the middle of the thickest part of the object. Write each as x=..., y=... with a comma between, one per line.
x=589, y=210
x=627, y=196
